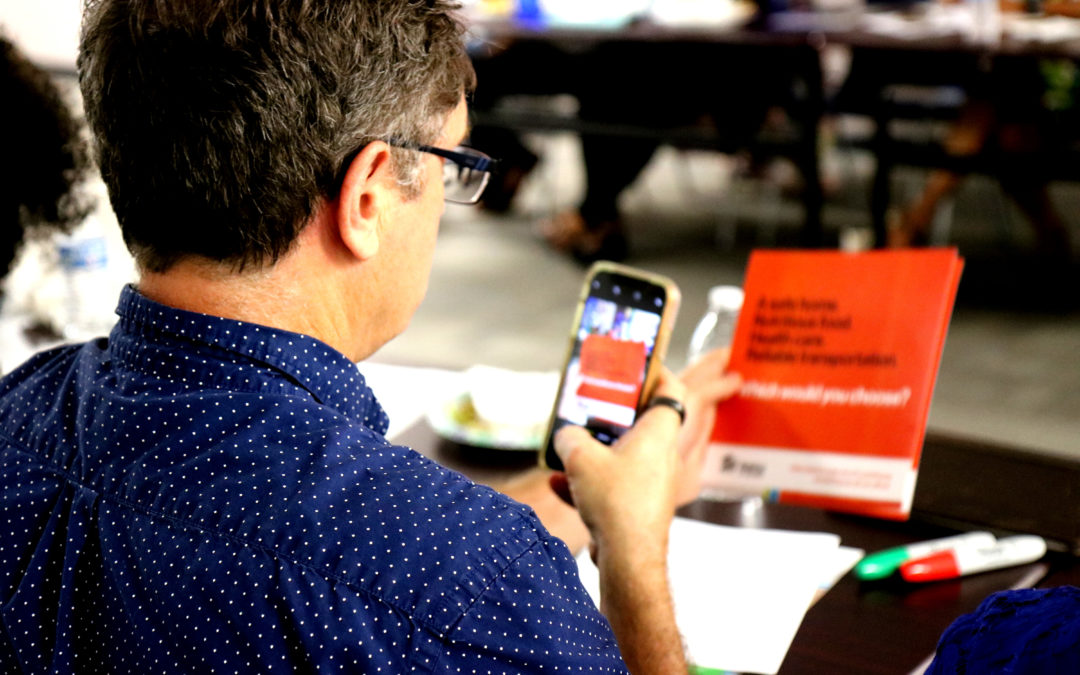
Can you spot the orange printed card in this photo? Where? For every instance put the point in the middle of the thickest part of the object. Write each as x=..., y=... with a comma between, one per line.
x=612, y=370
x=839, y=353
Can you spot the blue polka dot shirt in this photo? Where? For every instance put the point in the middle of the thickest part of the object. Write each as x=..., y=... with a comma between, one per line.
x=200, y=495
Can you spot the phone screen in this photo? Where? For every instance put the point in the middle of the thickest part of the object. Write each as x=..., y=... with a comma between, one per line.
x=602, y=386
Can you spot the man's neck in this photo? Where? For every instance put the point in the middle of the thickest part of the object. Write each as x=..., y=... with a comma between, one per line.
x=287, y=295
x=200, y=286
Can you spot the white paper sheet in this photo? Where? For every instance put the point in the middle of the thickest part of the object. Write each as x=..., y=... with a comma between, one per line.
x=740, y=594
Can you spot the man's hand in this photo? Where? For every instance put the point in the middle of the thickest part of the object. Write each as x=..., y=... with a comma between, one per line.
x=707, y=384
x=626, y=494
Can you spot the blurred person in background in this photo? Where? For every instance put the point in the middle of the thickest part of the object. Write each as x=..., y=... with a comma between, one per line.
x=629, y=116
x=45, y=156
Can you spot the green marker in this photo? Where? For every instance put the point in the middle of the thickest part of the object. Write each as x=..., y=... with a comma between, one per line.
x=883, y=563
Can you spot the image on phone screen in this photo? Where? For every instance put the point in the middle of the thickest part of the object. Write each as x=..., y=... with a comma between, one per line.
x=605, y=374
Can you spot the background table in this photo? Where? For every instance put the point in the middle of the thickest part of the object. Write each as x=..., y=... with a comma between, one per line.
x=780, y=48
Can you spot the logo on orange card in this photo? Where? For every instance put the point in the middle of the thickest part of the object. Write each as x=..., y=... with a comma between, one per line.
x=612, y=370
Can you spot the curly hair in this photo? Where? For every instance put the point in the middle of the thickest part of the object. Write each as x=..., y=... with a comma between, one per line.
x=220, y=125
x=45, y=156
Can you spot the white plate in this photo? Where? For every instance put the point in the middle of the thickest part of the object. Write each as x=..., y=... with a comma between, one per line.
x=456, y=419
x=498, y=408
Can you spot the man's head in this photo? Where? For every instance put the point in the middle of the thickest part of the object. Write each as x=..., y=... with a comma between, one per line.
x=222, y=125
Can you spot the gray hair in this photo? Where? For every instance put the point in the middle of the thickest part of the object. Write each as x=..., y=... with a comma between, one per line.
x=220, y=125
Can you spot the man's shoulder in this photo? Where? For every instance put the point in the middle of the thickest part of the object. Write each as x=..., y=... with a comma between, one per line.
x=33, y=387
x=39, y=365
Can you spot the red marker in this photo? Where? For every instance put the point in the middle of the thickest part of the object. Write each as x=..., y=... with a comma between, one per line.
x=958, y=562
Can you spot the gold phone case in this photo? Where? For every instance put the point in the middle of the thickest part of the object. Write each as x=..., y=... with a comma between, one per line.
x=663, y=336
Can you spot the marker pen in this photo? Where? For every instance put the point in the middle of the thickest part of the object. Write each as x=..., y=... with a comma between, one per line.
x=1009, y=551
x=883, y=563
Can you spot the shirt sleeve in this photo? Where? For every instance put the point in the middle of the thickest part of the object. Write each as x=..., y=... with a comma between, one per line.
x=534, y=618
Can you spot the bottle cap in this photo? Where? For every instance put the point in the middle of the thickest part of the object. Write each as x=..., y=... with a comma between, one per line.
x=934, y=567
x=882, y=564
x=726, y=297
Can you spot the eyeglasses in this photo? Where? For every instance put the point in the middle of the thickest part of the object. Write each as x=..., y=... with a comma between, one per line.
x=465, y=174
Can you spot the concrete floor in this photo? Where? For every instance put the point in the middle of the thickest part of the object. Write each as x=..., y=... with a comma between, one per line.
x=498, y=296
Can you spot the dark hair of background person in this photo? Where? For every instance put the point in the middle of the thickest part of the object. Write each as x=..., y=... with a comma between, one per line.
x=45, y=156
x=220, y=124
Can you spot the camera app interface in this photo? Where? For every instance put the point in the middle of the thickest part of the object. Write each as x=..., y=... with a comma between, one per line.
x=617, y=334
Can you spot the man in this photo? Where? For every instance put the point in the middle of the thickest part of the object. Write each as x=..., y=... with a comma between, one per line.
x=209, y=489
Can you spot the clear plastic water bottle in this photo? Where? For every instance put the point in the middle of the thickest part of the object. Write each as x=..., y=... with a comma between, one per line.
x=717, y=327
x=715, y=330
x=88, y=297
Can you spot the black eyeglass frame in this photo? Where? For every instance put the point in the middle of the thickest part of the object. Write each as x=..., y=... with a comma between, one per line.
x=476, y=162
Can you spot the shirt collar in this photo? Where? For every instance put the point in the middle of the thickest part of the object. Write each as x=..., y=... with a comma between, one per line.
x=327, y=374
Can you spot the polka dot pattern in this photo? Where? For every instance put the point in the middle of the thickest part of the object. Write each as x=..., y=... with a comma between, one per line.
x=200, y=495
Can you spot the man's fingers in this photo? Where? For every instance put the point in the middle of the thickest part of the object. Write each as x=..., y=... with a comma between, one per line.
x=570, y=440
x=668, y=384
x=708, y=367
x=719, y=389
x=561, y=487
x=666, y=413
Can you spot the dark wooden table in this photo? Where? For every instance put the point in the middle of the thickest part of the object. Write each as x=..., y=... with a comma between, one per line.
x=886, y=628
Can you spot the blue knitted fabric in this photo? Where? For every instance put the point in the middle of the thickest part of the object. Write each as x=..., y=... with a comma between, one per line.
x=1033, y=631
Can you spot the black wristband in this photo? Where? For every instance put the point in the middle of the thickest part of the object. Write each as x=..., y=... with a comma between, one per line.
x=672, y=403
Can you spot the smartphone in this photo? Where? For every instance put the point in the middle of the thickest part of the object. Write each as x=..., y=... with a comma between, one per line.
x=619, y=337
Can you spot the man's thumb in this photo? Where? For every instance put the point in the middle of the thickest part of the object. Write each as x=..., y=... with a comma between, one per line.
x=570, y=440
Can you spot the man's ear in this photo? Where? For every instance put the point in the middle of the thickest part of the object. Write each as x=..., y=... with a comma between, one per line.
x=367, y=193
